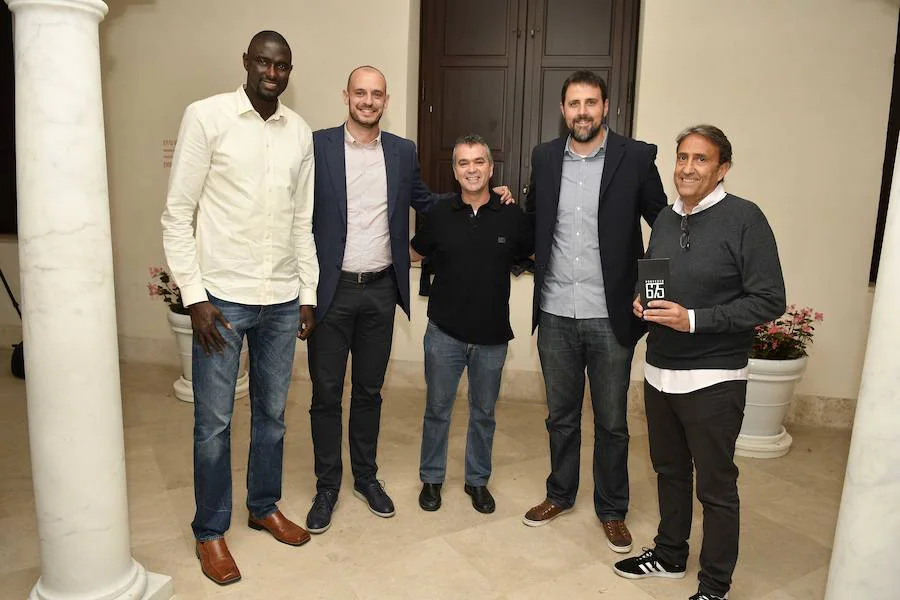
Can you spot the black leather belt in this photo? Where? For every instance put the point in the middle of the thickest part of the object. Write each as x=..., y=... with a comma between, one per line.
x=361, y=278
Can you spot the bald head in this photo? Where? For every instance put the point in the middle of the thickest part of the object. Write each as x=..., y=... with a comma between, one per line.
x=366, y=96
x=366, y=70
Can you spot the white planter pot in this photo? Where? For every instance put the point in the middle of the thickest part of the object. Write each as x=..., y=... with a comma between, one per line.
x=770, y=388
x=184, y=336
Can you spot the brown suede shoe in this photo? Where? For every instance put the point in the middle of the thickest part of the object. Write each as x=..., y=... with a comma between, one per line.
x=216, y=561
x=543, y=513
x=281, y=528
x=618, y=538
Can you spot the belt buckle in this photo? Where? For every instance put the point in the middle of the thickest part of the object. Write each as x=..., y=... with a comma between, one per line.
x=359, y=278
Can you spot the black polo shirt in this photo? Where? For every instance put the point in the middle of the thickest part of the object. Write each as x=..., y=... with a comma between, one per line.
x=472, y=255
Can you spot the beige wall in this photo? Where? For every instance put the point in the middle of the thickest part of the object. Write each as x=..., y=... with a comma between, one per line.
x=801, y=87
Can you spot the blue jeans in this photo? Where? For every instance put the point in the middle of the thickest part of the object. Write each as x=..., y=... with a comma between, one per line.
x=445, y=359
x=566, y=348
x=271, y=337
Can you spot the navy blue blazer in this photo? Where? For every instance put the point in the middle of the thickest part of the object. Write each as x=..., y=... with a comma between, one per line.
x=405, y=188
x=630, y=188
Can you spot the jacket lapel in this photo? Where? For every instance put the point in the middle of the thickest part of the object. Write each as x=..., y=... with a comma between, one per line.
x=615, y=150
x=392, y=170
x=337, y=170
x=556, y=163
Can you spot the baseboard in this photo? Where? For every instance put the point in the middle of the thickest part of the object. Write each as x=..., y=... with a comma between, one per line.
x=518, y=385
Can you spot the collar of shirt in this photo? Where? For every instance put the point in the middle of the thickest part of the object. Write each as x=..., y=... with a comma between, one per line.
x=244, y=106
x=598, y=151
x=713, y=198
x=493, y=202
x=352, y=141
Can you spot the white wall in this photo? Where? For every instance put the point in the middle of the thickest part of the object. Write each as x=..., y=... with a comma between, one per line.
x=801, y=87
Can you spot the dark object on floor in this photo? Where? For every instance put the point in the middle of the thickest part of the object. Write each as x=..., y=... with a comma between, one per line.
x=17, y=364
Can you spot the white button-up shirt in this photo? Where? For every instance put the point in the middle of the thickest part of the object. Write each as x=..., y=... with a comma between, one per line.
x=250, y=183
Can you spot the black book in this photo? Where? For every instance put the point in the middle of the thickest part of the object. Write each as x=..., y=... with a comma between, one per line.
x=653, y=279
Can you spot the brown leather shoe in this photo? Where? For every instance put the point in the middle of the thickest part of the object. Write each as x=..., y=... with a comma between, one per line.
x=283, y=530
x=216, y=561
x=618, y=538
x=543, y=513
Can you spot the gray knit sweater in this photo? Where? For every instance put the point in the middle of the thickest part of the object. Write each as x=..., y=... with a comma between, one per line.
x=730, y=276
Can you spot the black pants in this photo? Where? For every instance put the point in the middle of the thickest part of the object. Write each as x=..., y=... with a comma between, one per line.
x=360, y=321
x=698, y=430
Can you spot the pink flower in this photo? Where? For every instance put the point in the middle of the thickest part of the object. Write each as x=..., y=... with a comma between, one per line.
x=806, y=328
x=819, y=316
x=152, y=290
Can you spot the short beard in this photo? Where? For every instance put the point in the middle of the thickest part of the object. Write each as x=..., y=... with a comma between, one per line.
x=586, y=137
x=371, y=125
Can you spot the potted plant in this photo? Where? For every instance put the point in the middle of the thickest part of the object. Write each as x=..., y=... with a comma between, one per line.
x=777, y=362
x=162, y=286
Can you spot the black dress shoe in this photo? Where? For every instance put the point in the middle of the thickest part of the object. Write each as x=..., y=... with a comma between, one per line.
x=319, y=518
x=430, y=496
x=481, y=498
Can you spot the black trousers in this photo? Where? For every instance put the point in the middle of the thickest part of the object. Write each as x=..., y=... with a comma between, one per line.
x=360, y=321
x=698, y=430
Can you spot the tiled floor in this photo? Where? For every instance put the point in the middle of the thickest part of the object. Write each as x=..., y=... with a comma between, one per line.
x=789, y=511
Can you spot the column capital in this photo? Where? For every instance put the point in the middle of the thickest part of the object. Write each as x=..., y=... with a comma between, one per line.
x=97, y=8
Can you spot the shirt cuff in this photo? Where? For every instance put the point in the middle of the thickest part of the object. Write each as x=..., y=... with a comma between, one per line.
x=692, y=319
x=308, y=297
x=193, y=294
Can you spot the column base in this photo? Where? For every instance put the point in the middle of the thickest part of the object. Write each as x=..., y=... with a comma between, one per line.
x=764, y=446
x=184, y=390
x=142, y=585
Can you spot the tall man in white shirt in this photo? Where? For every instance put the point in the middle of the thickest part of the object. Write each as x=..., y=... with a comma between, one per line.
x=244, y=163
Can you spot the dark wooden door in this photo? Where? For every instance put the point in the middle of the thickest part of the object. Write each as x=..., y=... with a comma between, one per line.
x=495, y=67
x=470, y=80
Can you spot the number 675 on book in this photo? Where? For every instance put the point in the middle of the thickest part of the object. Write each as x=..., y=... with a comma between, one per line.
x=653, y=276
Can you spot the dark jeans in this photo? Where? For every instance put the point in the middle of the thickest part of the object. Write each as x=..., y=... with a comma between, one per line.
x=698, y=430
x=271, y=337
x=566, y=348
x=360, y=321
x=445, y=359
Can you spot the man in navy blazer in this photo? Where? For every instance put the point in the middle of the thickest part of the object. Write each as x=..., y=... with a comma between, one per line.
x=366, y=181
x=587, y=194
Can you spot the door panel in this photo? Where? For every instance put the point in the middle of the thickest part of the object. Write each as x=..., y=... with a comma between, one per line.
x=571, y=28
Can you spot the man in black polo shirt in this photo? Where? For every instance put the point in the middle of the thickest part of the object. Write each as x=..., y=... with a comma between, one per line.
x=472, y=241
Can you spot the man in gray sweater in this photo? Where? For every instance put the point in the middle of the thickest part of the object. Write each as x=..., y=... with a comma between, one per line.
x=724, y=280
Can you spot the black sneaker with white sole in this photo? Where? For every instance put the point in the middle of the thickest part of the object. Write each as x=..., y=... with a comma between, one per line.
x=648, y=564
x=707, y=596
x=373, y=494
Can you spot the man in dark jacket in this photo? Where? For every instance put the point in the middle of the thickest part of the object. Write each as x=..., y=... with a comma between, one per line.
x=587, y=195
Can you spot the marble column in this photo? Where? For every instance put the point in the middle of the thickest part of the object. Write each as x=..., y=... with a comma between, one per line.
x=69, y=314
x=864, y=559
